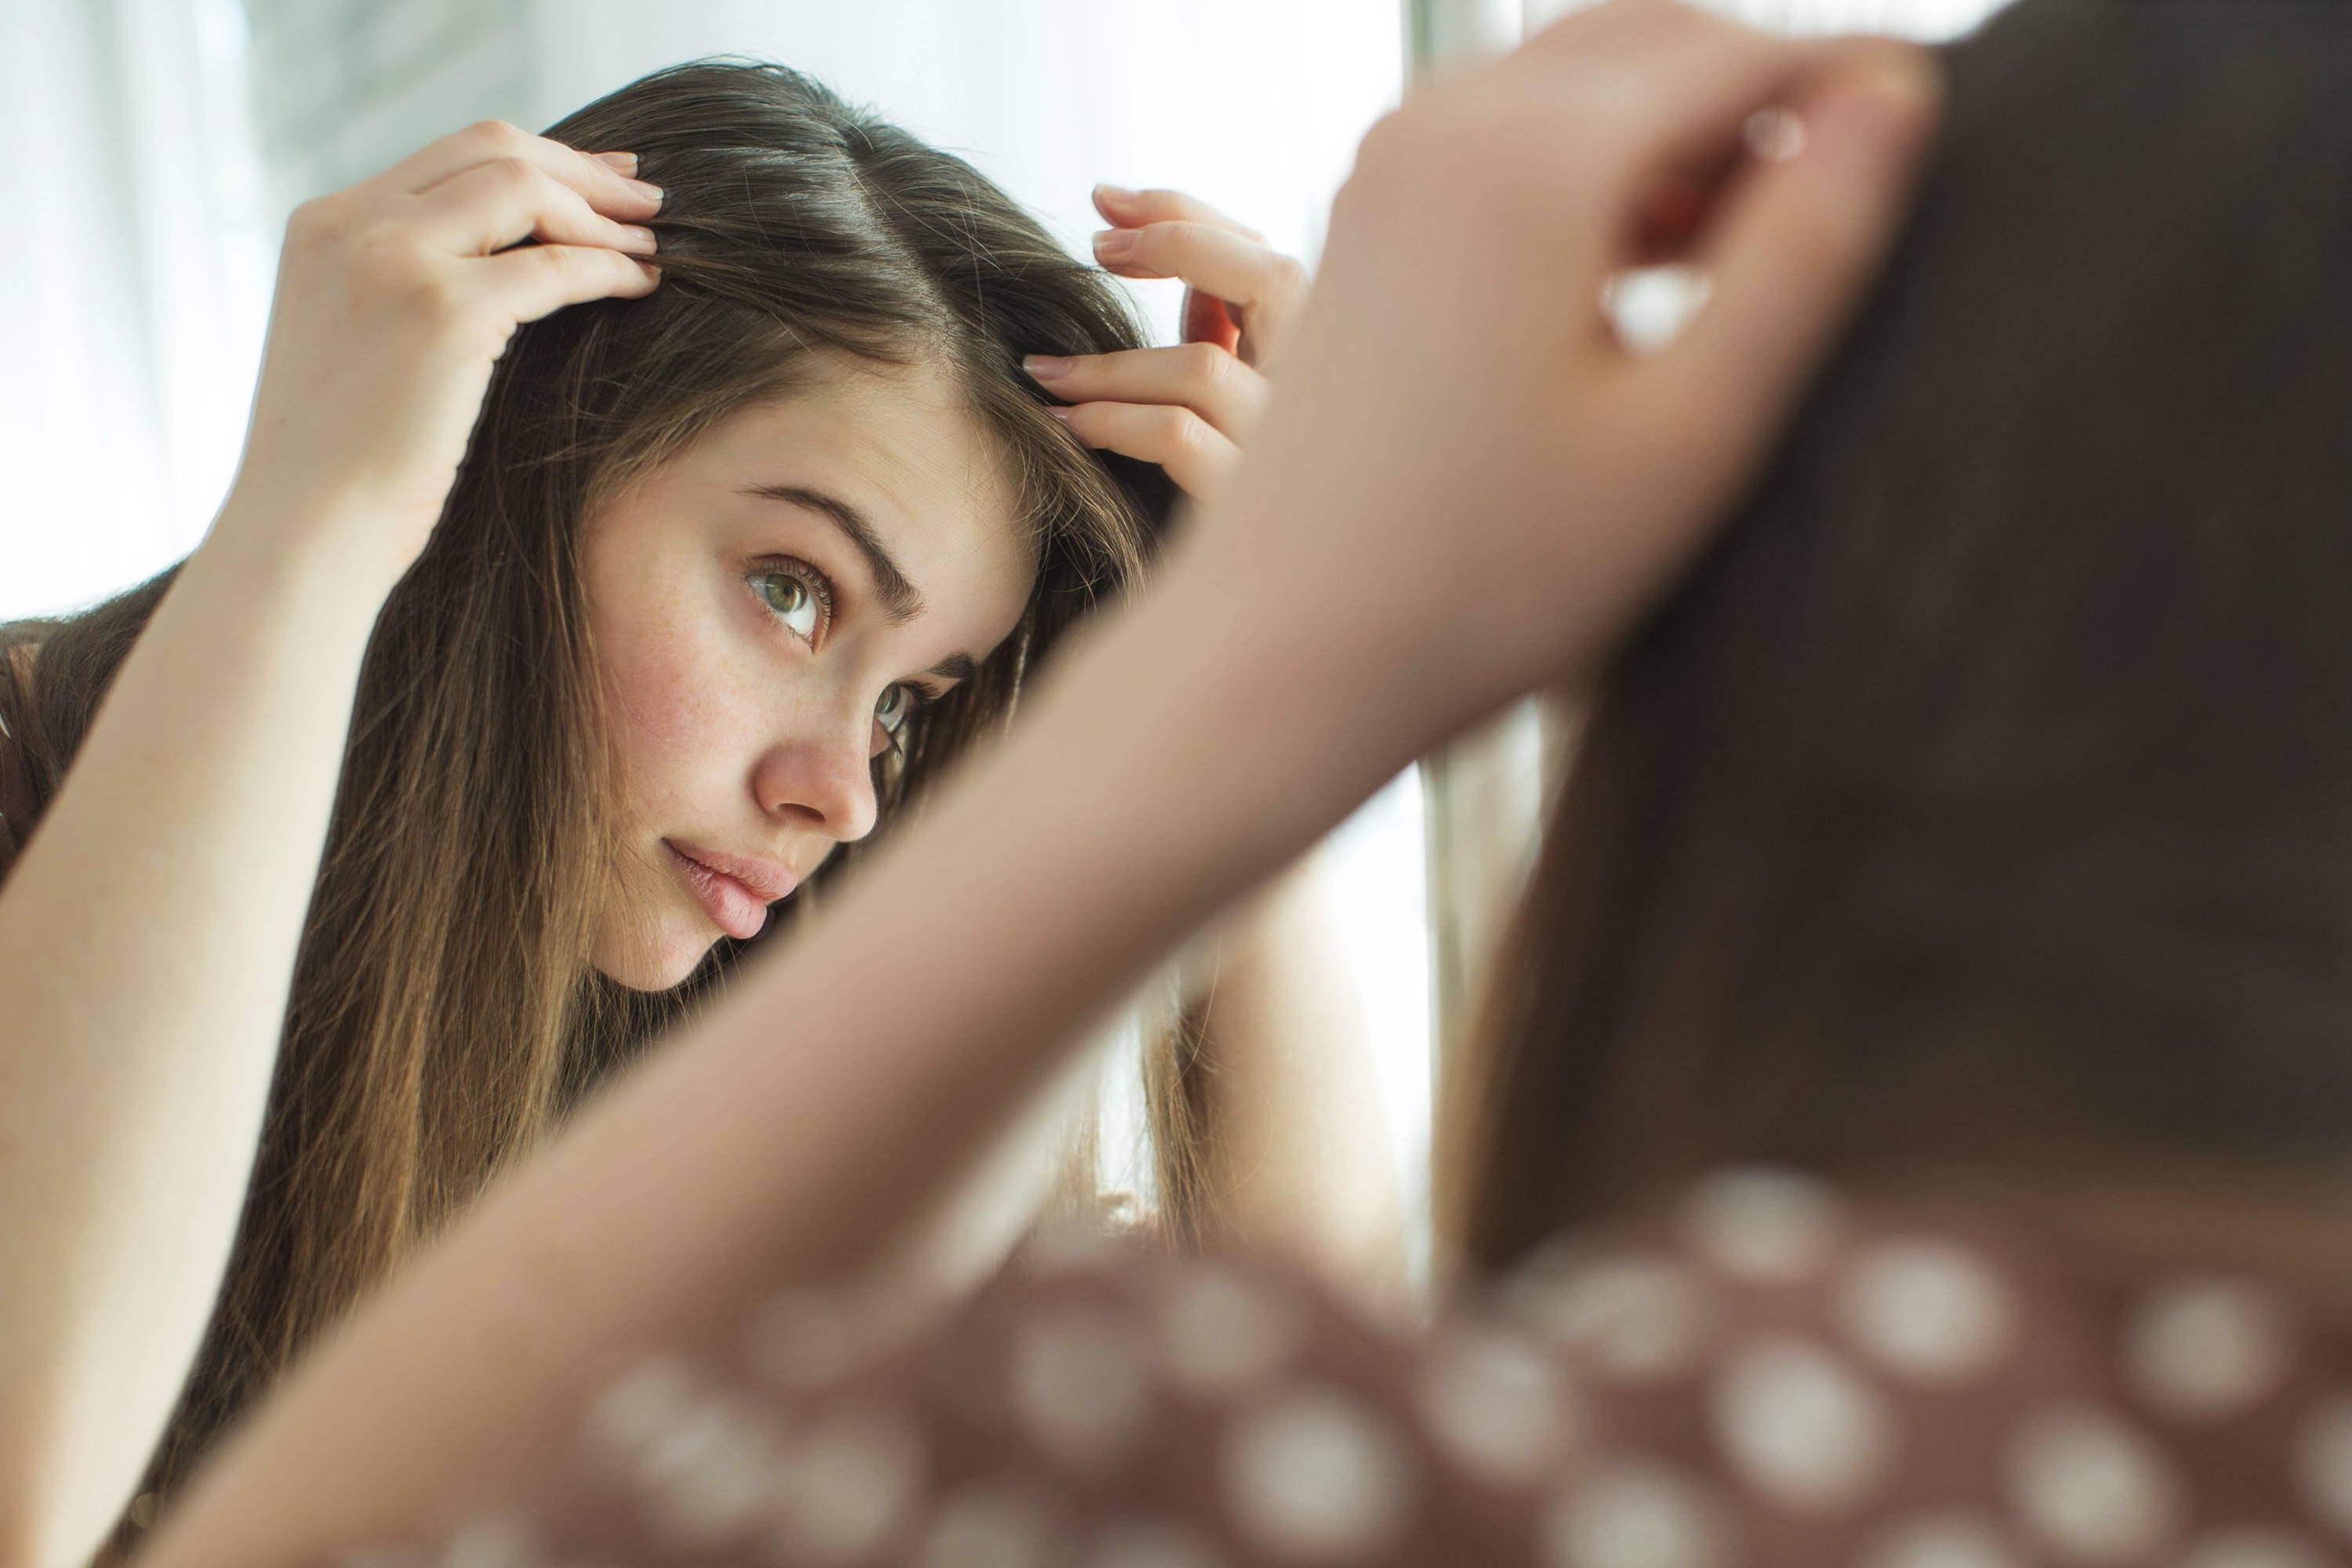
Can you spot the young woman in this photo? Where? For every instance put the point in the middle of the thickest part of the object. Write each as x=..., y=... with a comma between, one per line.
x=576, y=638
x=1970, y=830
x=1464, y=488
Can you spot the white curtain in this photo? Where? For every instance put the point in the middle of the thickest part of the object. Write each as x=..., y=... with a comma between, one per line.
x=135, y=292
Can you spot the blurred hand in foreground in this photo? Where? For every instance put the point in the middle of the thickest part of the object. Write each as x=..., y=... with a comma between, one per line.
x=1468, y=484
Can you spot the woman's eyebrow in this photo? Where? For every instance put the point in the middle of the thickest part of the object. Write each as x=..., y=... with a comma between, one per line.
x=900, y=600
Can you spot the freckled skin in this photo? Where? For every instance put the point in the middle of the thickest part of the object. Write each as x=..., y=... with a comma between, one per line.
x=733, y=733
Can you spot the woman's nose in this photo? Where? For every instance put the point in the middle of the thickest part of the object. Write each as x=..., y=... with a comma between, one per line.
x=826, y=782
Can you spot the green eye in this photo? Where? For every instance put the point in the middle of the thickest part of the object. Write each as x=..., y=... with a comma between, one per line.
x=898, y=700
x=791, y=600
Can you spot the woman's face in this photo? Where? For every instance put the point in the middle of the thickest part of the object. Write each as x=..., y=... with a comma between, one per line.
x=768, y=607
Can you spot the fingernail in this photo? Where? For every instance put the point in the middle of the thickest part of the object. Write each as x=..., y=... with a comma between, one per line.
x=1058, y=412
x=636, y=238
x=625, y=162
x=1774, y=134
x=651, y=193
x=1114, y=244
x=1884, y=116
x=1114, y=192
x=1047, y=367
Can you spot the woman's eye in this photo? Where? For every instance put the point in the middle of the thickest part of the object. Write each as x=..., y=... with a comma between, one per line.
x=794, y=600
x=898, y=700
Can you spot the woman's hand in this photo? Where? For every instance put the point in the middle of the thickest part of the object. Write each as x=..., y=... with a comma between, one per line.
x=395, y=299
x=1468, y=486
x=1188, y=408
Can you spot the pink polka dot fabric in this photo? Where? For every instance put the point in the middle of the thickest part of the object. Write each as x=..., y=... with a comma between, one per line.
x=1768, y=1375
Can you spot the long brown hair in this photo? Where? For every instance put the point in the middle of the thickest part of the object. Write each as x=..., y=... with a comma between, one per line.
x=1983, y=804
x=443, y=1011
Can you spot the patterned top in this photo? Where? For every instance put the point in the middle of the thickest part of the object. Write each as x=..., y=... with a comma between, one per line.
x=1770, y=1375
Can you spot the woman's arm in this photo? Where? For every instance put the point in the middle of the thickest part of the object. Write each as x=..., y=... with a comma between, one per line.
x=147, y=932
x=1464, y=488
x=147, y=938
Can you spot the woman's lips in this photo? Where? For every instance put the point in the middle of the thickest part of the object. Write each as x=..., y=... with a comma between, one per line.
x=733, y=890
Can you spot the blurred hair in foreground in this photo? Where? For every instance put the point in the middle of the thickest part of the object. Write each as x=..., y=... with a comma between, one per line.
x=1981, y=808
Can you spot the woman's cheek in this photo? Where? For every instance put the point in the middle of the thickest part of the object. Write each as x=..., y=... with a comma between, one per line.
x=682, y=681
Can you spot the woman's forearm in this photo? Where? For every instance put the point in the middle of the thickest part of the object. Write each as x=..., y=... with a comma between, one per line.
x=147, y=939
x=835, y=1093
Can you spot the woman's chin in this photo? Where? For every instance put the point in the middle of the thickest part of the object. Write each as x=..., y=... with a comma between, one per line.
x=657, y=960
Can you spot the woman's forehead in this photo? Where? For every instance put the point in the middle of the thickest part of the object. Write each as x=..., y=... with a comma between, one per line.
x=897, y=451
x=909, y=433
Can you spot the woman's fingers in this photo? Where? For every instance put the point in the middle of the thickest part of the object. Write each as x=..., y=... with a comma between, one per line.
x=1133, y=209
x=598, y=179
x=1795, y=237
x=507, y=200
x=536, y=281
x=1232, y=265
x=1265, y=286
x=1196, y=454
x=396, y=298
x=1184, y=407
x=1201, y=377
